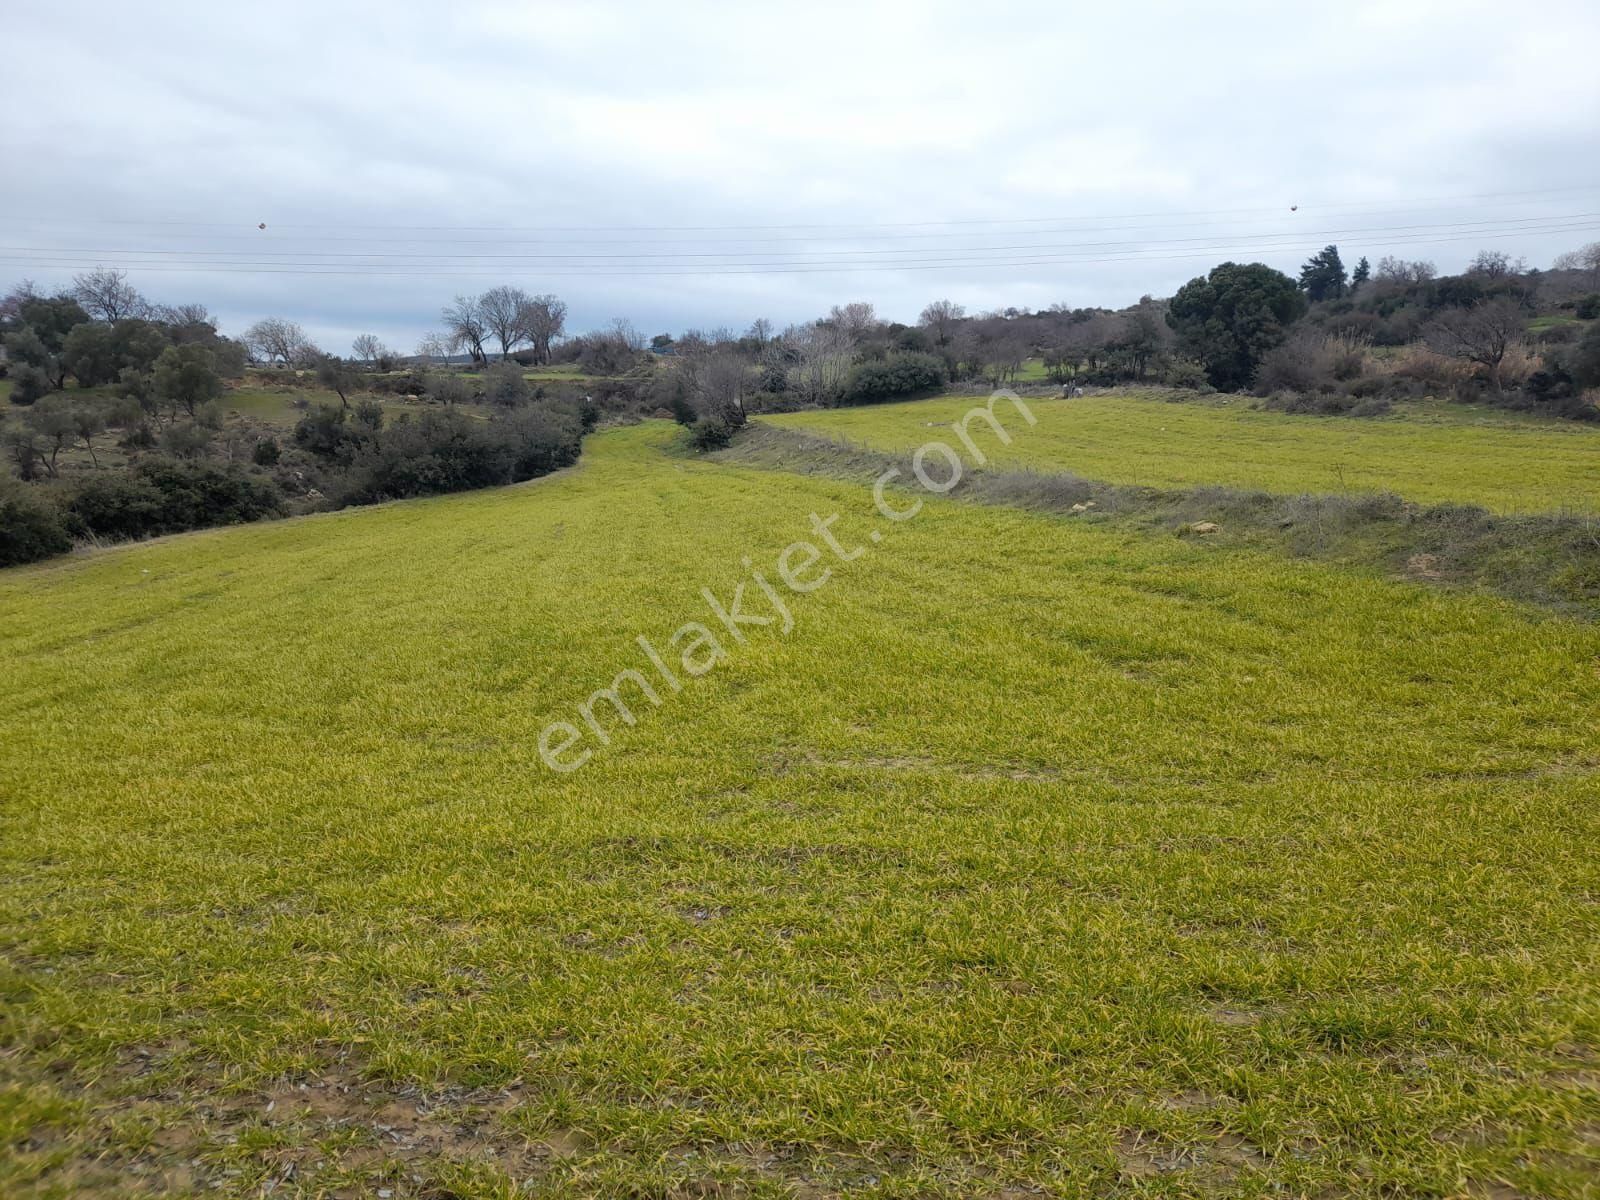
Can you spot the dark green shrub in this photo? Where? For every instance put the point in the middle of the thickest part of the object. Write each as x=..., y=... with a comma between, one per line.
x=166, y=496
x=1588, y=308
x=893, y=377
x=682, y=411
x=31, y=527
x=403, y=383
x=709, y=433
x=117, y=504
x=543, y=438
x=448, y=451
x=328, y=432
x=28, y=384
x=504, y=385
x=1582, y=361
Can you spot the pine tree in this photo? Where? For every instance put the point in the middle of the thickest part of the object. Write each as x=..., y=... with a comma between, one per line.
x=1323, y=277
x=1361, y=274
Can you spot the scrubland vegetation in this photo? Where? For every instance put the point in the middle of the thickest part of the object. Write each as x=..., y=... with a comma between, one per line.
x=501, y=393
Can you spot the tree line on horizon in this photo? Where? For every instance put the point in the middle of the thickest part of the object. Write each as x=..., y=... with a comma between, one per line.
x=101, y=357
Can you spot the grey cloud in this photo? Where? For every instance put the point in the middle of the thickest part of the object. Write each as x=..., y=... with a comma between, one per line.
x=129, y=131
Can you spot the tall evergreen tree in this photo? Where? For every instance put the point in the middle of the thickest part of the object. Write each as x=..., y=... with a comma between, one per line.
x=1323, y=277
x=1361, y=274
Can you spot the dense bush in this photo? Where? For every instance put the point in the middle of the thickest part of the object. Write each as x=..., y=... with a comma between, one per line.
x=544, y=438
x=28, y=384
x=710, y=433
x=1588, y=308
x=1185, y=373
x=448, y=451
x=891, y=378
x=504, y=385
x=1310, y=362
x=1293, y=367
x=166, y=496
x=1582, y=361
x=336, y=433
x=402, y=383
x=446, y=387
x=31, y=526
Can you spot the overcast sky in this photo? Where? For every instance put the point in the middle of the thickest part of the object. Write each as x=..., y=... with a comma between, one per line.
x=741, y=154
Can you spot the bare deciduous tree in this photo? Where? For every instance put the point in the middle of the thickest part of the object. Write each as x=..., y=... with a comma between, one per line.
x=822, y=353
x=940, y=319
x=1399, y=271
x=855, y=320
x=184, y=315
x=1496, y=264
x=1481, y=335
x=544, y=320
x=721, y=380
x=434, y=345
x=610, y=351
x=1001, y=350
x=466, y=328
x=1585, y=258
x=623, y=331
x=273, y=339
x=11, y=303
x=107, y=294
x=371, y=350
x=504, y=312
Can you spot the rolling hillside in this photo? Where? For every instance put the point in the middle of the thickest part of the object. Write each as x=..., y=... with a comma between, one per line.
x=1428, y=453
x=1036, y=858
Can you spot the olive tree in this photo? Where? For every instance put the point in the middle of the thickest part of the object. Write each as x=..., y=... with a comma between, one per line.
x=186, y=378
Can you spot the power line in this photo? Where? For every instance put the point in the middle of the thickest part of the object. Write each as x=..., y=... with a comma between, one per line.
x=268, y=235
x=825, y=225
x=747, y=269
x=1482, y=228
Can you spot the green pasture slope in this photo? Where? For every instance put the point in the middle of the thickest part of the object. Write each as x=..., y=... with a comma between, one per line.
x=1430, y=454
x=1037, y=858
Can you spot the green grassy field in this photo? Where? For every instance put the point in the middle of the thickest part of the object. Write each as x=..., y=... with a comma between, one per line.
x=1038, y=858
x=1433, y=453
x=1551, y=321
